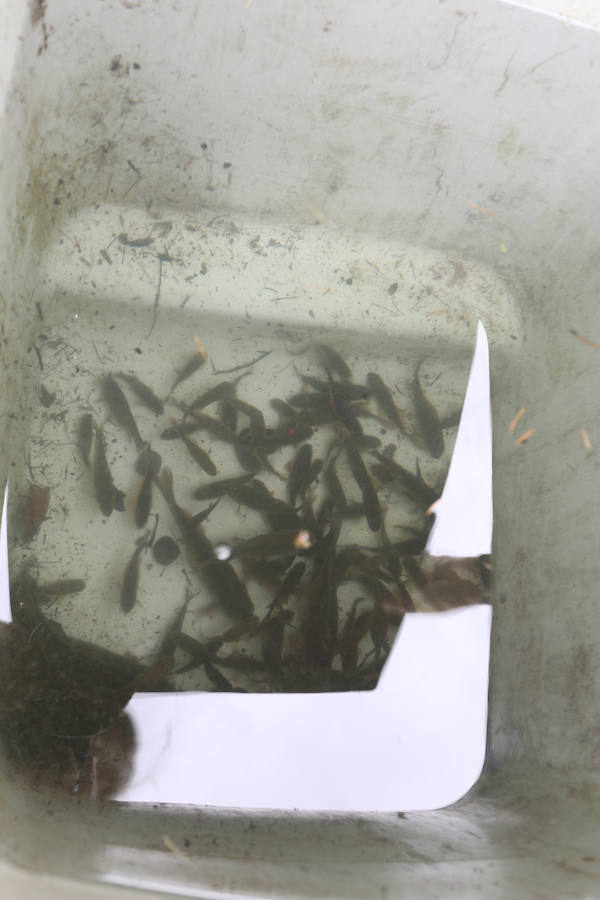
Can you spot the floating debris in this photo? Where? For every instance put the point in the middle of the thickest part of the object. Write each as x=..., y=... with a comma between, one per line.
x=584, y=340
x=482, y=209
x=524, y=437
x=586, y=439
x=517, y=419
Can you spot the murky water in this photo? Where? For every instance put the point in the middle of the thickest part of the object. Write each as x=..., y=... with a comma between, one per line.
x=286, y=360
x=314, y=601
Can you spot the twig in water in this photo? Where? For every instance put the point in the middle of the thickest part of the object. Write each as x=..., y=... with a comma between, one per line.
x=162, y=257
x=243, y=365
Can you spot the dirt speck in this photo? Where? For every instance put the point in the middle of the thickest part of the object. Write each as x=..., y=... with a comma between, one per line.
x=37, y=11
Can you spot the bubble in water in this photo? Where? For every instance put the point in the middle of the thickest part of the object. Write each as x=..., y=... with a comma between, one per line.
x=222, y=551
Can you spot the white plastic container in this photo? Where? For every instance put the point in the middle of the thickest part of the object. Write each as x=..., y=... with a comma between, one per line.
x=456, y=144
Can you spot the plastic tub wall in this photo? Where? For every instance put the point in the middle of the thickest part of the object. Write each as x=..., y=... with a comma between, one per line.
x=463, y=131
